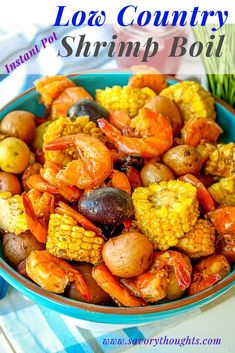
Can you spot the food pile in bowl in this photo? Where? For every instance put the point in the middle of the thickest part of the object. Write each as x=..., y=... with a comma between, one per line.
x=125, y=198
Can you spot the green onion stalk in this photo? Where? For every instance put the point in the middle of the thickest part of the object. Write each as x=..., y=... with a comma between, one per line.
x=220, y=71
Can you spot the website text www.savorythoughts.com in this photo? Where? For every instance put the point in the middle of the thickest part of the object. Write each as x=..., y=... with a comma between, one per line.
x=162, y=341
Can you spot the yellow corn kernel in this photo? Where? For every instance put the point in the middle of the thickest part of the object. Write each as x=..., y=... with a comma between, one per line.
x=199, y=241
x=12, y=217
x=223, y=192
x=192, y=99
x=69, y=241
x=222, y=161
x=173, y=211
x=127, y=98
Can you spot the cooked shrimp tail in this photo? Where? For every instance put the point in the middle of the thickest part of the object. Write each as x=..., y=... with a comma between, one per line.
x=86, y=223
x=37, y=182
x=49, y=173
x=77, y=278
x=119, y=180
x=120, y=119
x=111, y=285
x=37, y=226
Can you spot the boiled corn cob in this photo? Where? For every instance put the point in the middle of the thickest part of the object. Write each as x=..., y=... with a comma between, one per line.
x=222, y=161
x=199, y=241
x=65, y=127
x=165, y=211
x=67, y=240
x=12, y=217
x=51, y=87
x=192, y=99
x=223, y=192
x=127, y=98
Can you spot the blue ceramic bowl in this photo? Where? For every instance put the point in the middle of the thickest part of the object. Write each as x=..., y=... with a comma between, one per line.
x=96, y=313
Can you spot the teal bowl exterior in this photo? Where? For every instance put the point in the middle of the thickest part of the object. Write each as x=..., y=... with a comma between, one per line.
x=96, y=313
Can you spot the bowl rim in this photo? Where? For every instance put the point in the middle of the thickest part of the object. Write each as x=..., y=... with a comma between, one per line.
x=225, y=284
x=116, y=72
x=7, y=270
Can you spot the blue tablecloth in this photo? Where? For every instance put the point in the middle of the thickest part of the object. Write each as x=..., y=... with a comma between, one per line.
x=34, y=328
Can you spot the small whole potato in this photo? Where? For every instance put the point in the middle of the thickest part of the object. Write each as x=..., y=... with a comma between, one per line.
x=38, y=137
x=14, y=155
x=19, y=123
x=9, y=182
x=168, y=108
x=155, y=173
x=16, y=248
x=128, y=255
x=183, y=159
x=98, y=296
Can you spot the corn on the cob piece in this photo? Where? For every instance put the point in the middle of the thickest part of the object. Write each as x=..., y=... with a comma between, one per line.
x=192, y=99
x=51, y=87
x=69, y=241
x=65, y=127
x=222, y=161
x=165, y=211
x=12, y=217
x=223, y=192
x=199, y=241
x=127, y=98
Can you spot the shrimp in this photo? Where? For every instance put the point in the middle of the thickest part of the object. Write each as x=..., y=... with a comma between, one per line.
x=119, y=180
x=49, y=173
x=208, y=272
x=204, y=197
x=223, y=219
x=152, y=135
x=49, y=88
x=147, y=76
x=133, y=176
x=92, y=167
x=38, y=223
x=120, y=119
x=54, y=274
x=28, y=172
x=66, y=99
x=47, y=182
x=111, y=285
x=43, y=203
x=37, y=182
x=86, y=223
x=152, y=285
x=197, y=129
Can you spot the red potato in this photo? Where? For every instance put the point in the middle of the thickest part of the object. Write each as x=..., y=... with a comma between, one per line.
x=9, y=182
x=128, y=254
x=16, y=248
x=20, y=124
